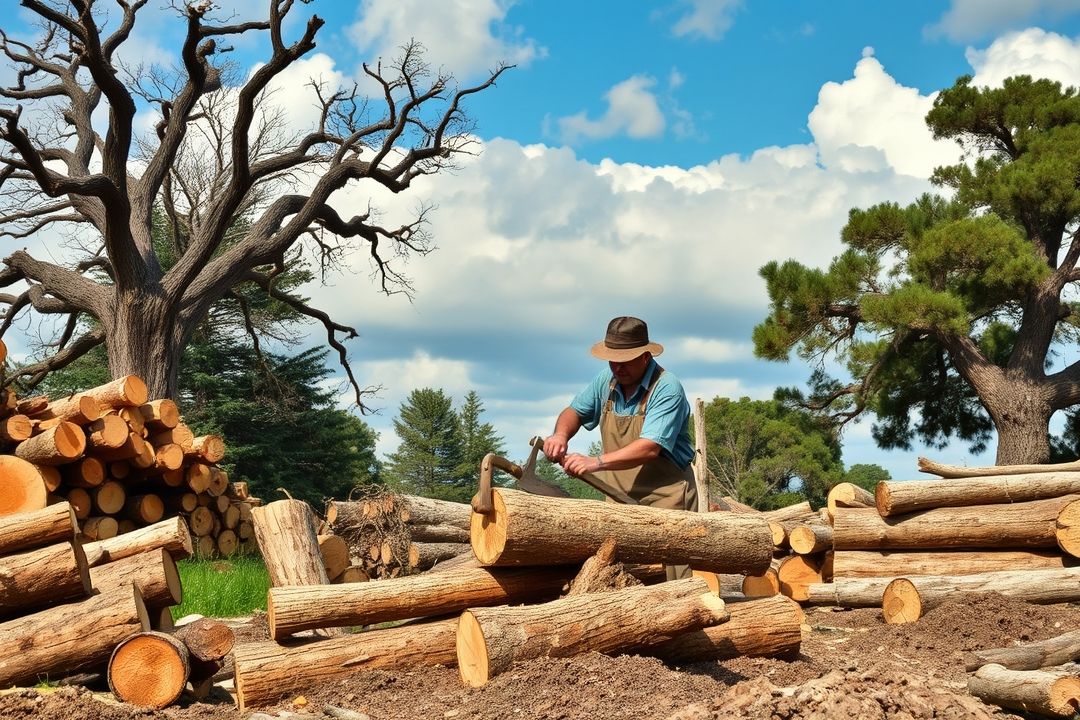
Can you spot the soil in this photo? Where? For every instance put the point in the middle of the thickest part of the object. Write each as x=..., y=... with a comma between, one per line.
x=851, y=665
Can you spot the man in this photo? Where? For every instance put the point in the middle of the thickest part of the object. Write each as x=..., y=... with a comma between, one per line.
x=642, y=412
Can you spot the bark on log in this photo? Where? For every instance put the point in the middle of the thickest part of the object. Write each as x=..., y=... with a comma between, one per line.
x=799, y=511
x=810, y=538
x=285, y=531
x=1031, y=691
x=601, y=573
x=1017, y=525
x=171, y=534
x=425, y=555
x=108, y=432
x=160, y=414
x=490, y=639
x=37, y=528
x=305, y=607
x=43, y=576
x=897, y=498
x=526, y=529
x=58, y=445
x=266, y=671
x=763, y=627
x=69, y=638
x=909, y=598
x=128, y=391
x=438, y=534
x=153, y=573
x=206, y=639
x=1058, y=650
x=149, y=669
x=851, y=593
x=429, y=511
x=78, y=409
x=959, y=471
x=874, y=563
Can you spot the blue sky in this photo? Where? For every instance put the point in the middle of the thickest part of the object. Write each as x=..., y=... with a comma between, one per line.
x=642, y=158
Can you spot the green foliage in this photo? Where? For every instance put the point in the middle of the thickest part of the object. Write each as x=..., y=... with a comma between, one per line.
x=925, y=297
x=866, y=476
x=477, y=438
x=554, y=474
x=280, y=424
x=429, y=458
x=222, y=588
x=765, y=454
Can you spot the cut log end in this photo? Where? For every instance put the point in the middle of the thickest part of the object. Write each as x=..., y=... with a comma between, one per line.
x=901, y=602
x=883, y=499
x=22, y=487
x=487, y=531
x=1067, y=530
x=765, y=585
x=149, y=669
x=472, y=651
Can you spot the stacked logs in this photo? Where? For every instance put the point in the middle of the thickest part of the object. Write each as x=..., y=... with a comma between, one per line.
x=122, y=462
x=64, y=607
x=390, y=535
x=510, y=601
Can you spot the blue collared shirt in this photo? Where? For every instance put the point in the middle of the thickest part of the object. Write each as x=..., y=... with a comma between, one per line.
x=667, y=413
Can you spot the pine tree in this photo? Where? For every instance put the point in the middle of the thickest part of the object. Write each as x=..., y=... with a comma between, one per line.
x=477, y=439
x=429, y=456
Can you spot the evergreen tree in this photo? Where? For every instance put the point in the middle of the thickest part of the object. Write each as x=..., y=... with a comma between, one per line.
x=866, y=476
x=476, y=439
x=428, y=457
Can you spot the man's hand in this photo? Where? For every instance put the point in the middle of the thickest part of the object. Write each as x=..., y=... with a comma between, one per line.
x=577, y=465
x=555, y=448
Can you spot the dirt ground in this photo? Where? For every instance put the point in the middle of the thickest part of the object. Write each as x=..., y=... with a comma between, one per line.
x=851, y=665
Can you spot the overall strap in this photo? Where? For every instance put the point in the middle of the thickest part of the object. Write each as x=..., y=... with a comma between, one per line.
x=648, y=391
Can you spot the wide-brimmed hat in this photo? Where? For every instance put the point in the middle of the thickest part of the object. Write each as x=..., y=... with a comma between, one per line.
x=627, y=338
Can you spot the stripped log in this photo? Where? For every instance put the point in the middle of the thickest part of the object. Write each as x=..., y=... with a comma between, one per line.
x=171, y=534
x=848, y=592
x=43, y=576
x=285, y=531
x=810, y=538
x=1017, y=525
x=959, y=471
x=910, y=597
x=489, y=640
x=267, y=671
x=304, y=607
x=902, y=563
x=153, y=572
x=897, y=498
x=37, y=528
x=149, y=669
x=525, y=529
x=1058, y=650
x=58, y=445
x=763, y=627
x=69, y=638
x=1031, y=691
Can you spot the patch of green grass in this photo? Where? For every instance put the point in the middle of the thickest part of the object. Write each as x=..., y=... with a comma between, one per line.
x=222, y=588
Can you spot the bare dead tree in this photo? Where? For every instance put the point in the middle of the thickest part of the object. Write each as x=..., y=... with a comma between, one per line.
x=214, y=158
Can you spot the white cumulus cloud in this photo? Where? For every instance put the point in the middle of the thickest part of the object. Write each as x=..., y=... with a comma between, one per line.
x=972, y=19
x=632, y=110
x=1032, y=52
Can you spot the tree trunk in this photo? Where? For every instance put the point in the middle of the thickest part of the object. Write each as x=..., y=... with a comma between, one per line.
x=149, y=669
x=489, y=640
x=143, y=338
x=305, y=607
x=764, y=627
x=37, y=528
x=1058, y=650
x=266, y=671
x=48, y=575
x=1032, y=691
x=883, y=563
x=896, y=498
x=1022, y=420
x=153, y=572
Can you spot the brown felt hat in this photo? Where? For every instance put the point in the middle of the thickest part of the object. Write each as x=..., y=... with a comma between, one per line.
x=627, y=338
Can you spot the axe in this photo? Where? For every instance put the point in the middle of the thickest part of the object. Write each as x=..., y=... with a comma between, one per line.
x=528, y=481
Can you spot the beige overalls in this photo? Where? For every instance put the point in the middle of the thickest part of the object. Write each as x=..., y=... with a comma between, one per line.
x=658, y=483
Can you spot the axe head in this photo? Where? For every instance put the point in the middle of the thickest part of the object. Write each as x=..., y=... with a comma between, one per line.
x=529, y=482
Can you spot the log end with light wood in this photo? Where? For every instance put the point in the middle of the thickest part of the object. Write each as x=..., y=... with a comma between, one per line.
x=1032, y=691
x=149, y=669
x=22, y=488
x=210, y=448
x=901, y=602
x=848, y=495
x=764, y=585
x=1067, y=529
x=58, y=445
x=796, y=572
x=810, y=538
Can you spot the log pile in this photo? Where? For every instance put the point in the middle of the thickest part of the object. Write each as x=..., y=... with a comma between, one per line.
x=123, y=462
x=64, y=607
x=500, y=602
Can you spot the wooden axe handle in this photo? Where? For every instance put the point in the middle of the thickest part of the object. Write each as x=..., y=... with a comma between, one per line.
x=481, y=501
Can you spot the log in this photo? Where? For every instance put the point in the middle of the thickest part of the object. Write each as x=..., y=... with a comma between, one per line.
x=848, y=495
x=87, y=472
x=1064, y=648
x=206, y=639
x=897, y=498
x=352, y=574
x=763, y=627
x=764, y=585
x=58, y=445
x=601, y=573
x=850, y=593
x=423, y=556
x=180, y=435
x=1018, y=525
x=128, y=391
x=101, y=527
x=210, y=448
x=169, y=456
x=37, y=528
x=285, y=532
x=171, y=534
x=50, y=476
x=78, y=409
x=119, y=469
x=796, y=572
x=160, y=414
x=438, y=534
x=267, y=671
x=1032, y=691
x=219, y=482
x=201, y=521
x=198, y=477
x=43, y=576
x=144, y=509
x=900, y=563
x=526, y=529
x=133, y=447
x=909, y=598
x=490, y=639
x=960, y=471
x=810, y=538
x=226, y=543
x=334, y=551
x=153, y=572
x=798, y=511
x=15, y=428
x=149, y=669
x=109, y=497
x=69, y=638
x=292, y=609
x=79, y=500
x=429, y=511
x=22, y=488
x=108, y=432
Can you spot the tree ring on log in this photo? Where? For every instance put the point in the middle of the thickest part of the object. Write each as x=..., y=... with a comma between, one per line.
x=901, y=602
x=487, y=531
